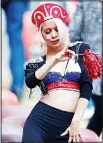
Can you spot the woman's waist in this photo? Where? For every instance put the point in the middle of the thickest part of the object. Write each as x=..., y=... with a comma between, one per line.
x=44, y=114
x=63, y=100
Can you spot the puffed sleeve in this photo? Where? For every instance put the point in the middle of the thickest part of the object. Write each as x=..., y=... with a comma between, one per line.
x=30, y=78
x=85, y=82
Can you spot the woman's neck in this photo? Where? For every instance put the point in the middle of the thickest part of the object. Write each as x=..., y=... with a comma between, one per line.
x=54, y=51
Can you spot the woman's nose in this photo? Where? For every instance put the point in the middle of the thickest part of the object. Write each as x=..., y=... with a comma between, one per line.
x=54, y=34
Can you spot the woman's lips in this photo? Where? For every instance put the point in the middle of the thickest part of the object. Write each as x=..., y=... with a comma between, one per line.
x=55, y=41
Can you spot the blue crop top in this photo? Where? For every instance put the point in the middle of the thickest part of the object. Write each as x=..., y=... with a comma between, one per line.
x=53, y=77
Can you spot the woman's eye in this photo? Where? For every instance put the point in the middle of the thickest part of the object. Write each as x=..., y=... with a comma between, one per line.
x=47, y=32
x=56, y=30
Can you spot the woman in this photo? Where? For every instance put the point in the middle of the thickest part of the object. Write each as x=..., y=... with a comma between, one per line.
x=62, y=78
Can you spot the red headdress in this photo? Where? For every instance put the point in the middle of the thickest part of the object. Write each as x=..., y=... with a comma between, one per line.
x=47, y=11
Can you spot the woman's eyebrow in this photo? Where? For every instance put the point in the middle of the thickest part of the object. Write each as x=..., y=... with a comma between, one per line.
x=49, y=28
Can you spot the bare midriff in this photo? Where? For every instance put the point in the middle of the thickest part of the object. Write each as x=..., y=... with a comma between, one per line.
x=62, y=99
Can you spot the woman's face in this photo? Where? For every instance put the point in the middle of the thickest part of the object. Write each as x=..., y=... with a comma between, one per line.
x=50, y=34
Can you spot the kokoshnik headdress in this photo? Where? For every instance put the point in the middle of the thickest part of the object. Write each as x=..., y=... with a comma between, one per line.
x=92, y=61
x=47, y=11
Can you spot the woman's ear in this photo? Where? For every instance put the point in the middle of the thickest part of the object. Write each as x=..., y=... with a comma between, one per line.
x=43, y=44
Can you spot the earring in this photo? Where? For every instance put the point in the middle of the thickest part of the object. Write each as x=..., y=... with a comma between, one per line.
x=43, y=47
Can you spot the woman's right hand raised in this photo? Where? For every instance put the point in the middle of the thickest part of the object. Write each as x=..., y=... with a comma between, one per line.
x=64, y=55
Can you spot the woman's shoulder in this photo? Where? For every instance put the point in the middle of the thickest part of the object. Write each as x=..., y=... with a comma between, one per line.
x=75, y=43
x=35, y=62
x=79, y=46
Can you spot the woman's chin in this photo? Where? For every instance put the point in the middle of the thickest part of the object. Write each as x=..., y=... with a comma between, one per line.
x=57, y=45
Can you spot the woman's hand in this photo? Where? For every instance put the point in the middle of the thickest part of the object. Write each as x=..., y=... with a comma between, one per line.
x=64, y=55
x=74, y=132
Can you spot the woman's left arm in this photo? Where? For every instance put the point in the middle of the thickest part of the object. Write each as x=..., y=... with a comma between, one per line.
x=74, y=128
x=85, y=89
x=85, y=94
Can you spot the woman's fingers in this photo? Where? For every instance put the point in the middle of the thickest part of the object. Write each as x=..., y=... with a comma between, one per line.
x=74, y=132
x=77, y=138
x=70, y=139
x=74, y=139
x=65, y=54
x=71, y=52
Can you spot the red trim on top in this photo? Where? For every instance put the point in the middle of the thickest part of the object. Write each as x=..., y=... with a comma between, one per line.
x=64, y=84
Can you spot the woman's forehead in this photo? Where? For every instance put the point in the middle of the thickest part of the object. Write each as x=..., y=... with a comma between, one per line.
x=48, y=24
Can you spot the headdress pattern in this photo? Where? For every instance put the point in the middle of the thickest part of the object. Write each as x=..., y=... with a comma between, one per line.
x=47, y=11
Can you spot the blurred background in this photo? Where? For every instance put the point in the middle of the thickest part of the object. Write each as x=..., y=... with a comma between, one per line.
x=20, y=43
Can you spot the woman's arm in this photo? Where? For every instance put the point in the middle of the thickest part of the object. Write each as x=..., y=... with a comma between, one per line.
x=42, y=72
x=35, y=72
x=85, y=94
x=81, y=106
x=74, y=128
